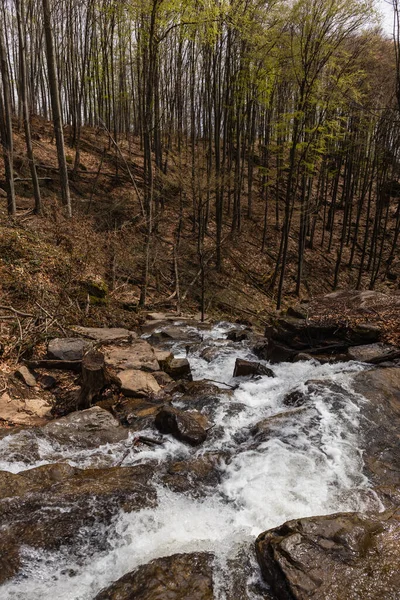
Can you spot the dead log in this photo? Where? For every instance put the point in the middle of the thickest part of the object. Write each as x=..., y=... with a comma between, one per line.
x=94, y=378
x=377, y=360
x=62, y=365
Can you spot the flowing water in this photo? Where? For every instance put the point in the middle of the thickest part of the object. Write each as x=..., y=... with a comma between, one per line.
x=310, y=463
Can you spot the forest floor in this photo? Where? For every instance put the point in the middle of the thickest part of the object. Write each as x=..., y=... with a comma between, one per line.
x=56, y=272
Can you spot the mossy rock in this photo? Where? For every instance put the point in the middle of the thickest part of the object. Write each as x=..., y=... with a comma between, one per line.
x=96, y=289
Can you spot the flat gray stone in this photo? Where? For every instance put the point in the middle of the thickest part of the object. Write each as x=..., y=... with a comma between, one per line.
x=67, y=348
x=106, y=334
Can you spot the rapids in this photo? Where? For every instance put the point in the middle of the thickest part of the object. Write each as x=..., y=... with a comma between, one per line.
x=311, y=463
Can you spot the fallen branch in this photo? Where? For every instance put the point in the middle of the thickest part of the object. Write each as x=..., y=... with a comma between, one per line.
x=386, y=357
x=62, y=365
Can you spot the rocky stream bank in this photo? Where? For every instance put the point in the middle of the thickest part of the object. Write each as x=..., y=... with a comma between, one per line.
x=189, y=461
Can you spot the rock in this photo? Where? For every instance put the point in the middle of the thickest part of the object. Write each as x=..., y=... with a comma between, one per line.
x=210, y=353
x=137, y=355
x=195, y=474
x=137, y=383
x=30, y=504
x=106, y=335
x=176, y=577
x=162, y=378
x=339, y=557
x=365, y=333
x=295, y=399
x=29, y=411
x=237, y=335
x=244, y=368
x=67, y=348
x=379, y=426
x=96, y=289
x=86, y=429
x=47, y=382
x=303, y=356
x=264, y=428
x=137, y=413
x=298, y=312
x=163, y=357
x=182, y=425
x=158, y=316
x=26, y=376
x=179, y=368
x=274, y=352
x=369, y=352
x=172, y=333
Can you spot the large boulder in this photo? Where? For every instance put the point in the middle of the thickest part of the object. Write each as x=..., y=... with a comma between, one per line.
x=177, y=577
x=338, y=557
x=183, y=425
x=380, y=424
x=67, y=348
x=137, y=355
x=48, y=508
x=85, y=429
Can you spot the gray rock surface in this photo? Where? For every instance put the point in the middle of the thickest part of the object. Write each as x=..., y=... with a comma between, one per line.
x=67, y=348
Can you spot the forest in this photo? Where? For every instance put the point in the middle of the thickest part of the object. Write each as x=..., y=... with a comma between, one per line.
x=259, y=138
x=199, y=300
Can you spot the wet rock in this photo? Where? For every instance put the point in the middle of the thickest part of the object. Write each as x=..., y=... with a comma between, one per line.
x=177, y=577
x=179, y=368
x=106, y=335
x=343, y=556
x=137, y=413
x=25, y=375
x=137, y=383
x=263, y=430
x=195, y=474
x=67, y=348
x=9, y=559
x=379, y=425
x=295, y=399
x=303, y=356
x=30, y=503
x=172, y=333
x=369, y=352
x=237, y=335
x=182, y=425
x=137, y=355
x=244, y=368
x=210, y=353
x=86, y=429
x=274, y=352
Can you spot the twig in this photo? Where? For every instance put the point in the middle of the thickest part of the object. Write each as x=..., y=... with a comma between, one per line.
x=15, y=311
